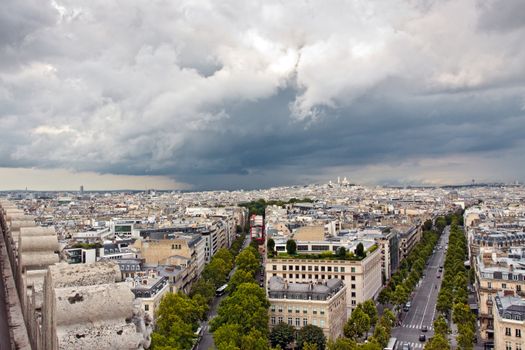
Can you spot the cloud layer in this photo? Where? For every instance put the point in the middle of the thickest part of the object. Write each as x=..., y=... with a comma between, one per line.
x=250, y=93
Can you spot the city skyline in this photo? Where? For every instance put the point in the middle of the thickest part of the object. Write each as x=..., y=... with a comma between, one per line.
x=198, y=95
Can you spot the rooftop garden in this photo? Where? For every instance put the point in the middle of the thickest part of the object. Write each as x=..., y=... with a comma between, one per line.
x=342, y=254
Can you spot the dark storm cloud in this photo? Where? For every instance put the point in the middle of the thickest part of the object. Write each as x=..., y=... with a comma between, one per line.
x=248, y=94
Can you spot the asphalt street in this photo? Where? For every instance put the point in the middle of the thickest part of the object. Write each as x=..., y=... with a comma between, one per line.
x=206, y=341
x=423, y=302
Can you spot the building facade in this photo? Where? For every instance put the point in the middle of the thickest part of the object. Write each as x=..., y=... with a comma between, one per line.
x=300, y=304
x=361, y=277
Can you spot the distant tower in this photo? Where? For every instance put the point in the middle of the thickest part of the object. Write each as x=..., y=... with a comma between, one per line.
x=81, y=189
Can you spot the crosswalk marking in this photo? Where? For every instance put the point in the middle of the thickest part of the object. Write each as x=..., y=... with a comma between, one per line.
x=412, y=345
x=416, y=326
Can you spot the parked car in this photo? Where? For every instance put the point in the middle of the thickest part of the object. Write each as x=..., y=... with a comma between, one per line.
x=405, y=346
x=422, y=337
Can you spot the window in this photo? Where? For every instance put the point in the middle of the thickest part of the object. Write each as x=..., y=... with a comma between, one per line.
x=329, y=268
x=297, y=310
x=296, y=275
x=280, y=308
x=322, y=277
x=272, y=307
x=353, y=294
x=290, y=310
x=309, y=268
x=352, y=286
x=305, y=322
x=290, y=267
x=146, y=307
x=504, y=285
x=297, y=322
x=321, y=311
x=518, y=333
x=316, y=268
x=303, y=275
x=280, y=319
x=352, y=278
x=272, y=319
x=284, y=275
x=352, y=269
x=353, y=302
x=314, y=322
x=309, y=276
x=290, y=321
x=322, y=268
x=314, y=311
x=508, y=331
x=290, y=275
x=274, y=267
x=305, y=310
x=518, y=288
x=489, y=285
x=508, y=345
x=284, y=267
x=343, y=277
x=321, y=323
x=518, y=346
x=303, y=268
x=342, y=269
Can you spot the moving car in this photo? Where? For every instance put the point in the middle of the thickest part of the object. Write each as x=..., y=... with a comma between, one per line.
x=424, y=329
x=405, y=346
x=422, y=337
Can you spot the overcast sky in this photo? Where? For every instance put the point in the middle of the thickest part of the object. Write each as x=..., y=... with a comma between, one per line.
x=246, y=94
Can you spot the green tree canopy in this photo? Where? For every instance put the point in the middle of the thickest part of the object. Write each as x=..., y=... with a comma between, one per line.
x=357, y=324
x=177, y=319
x=247, y=261
x=270, y=245
x=240, y=277
x=291, y=247
x=341, y=252
x=282, y=334
x=311, y=334
x=360, y=250
x=441, y=326
x=369, y=307
x=437, y=342
x=247, y=306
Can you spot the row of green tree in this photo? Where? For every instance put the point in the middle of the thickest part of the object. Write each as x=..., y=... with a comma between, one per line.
x=258, y=207
x=405, y=279
x=242, y=317
x=178, y=315
x=364, y=319
x=453, y=296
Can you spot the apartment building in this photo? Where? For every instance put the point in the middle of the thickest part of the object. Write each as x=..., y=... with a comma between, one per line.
x=163, y=247
x=408, y=238
x=300, y=304
x=509, y=322
x=149, y=289
x=496, y=272
x=361, y=277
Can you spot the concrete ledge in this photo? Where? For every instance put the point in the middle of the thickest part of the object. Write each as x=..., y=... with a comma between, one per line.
x=17, y=326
